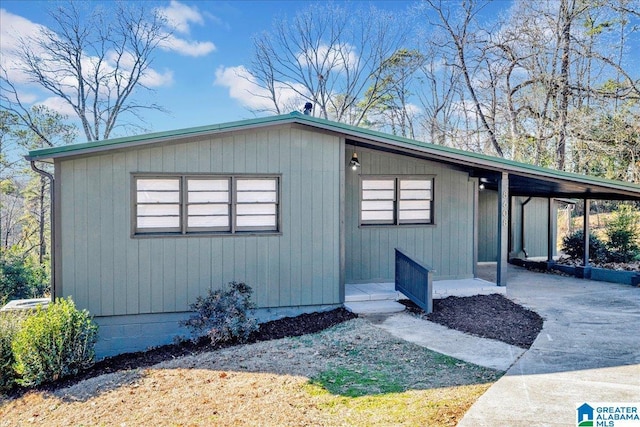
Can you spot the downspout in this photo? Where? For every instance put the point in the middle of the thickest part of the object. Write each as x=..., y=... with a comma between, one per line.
x=524, y=250
x=51, y=219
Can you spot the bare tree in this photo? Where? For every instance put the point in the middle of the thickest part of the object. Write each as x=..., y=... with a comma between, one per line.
x=393, y=109
x=330, y=56
x=458, y=26
x=93, y=63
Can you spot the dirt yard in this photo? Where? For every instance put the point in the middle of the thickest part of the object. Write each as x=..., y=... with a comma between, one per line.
x=350, y=374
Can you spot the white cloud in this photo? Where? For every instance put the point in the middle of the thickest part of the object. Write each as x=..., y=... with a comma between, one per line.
x=179, y=19
x=12, y=29
x=179, y=16
x=58, y=105
x=338, y=58
x=185, y=47
x=244, y=88
x=153, y=78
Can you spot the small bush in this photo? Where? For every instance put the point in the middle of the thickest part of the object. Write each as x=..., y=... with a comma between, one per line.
x=224, y=315
x=623, y=235
x=573, y=246
x=54, y=342
x=9, y=325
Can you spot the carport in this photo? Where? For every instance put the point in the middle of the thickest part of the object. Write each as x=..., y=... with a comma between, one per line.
x=551, y=185
x=512, y=179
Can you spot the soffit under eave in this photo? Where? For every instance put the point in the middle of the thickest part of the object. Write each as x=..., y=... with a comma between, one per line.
x=520, y=184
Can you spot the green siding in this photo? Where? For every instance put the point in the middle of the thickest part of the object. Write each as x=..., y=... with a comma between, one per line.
x=110, y=273
x=447, y=246
x=488, y=226
x=535, y=227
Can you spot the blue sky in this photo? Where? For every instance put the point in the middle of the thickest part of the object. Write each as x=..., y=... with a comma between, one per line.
x=195, y=79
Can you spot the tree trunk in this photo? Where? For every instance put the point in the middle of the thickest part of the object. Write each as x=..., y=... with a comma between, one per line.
x=566, y=18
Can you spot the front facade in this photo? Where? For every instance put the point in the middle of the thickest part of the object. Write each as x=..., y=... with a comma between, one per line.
x=138, y=272
x=145, y=225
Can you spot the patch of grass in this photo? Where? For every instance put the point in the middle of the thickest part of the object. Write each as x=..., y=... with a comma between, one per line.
x=436, y=407
x=357, y=382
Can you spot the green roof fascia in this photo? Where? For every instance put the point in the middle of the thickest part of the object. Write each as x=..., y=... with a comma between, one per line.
x=483, y=160
x=62, y=151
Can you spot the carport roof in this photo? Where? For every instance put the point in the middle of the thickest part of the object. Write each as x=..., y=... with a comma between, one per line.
x=524, y=179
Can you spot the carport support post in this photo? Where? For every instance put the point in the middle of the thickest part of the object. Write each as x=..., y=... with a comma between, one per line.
x=586, y=230
x=550, y=235
x=584, y=271
x=503, y=229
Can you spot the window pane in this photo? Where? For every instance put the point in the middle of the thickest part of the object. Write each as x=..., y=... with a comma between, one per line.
x=208, y=221
x=209, y=197
x=158, y=222
x=256, y=184
x=158, y=210
x=414, y=204
x=256, y=197
x=157, y=184
x=415, y=215
x=195, y=184
x=210, y=209
x=256, y=209
x=377, y=215
x=415, y=194
x=256, y=221
x=377, y=205
x=158, y=197
x=378, y=184
x=378, y=195
x=415, y=184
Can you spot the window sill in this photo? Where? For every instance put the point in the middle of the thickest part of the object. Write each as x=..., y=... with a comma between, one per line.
x=205, y=234
x=397, y=225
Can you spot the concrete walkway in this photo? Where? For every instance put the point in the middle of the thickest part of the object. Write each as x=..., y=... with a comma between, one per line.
x=588, y=351
x=481, y=351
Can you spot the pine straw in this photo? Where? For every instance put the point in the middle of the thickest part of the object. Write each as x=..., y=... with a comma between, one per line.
x=274, y=383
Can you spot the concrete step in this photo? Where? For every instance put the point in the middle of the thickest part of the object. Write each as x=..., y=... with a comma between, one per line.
x=374, y=307
x=371, y=292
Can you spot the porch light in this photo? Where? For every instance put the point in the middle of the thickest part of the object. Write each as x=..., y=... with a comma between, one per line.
x=354, y=163
x=482, y=186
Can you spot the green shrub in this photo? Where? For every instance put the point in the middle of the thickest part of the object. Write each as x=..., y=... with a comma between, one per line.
x=20, y=278
x=9, y=324
x=224, y=315
x=623, y=235
x=54, y=342
x=573, y=246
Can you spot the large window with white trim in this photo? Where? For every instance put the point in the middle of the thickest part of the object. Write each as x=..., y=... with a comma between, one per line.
x=196, y=204
x=394, y=200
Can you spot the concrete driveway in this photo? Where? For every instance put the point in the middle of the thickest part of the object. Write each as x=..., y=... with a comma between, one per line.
x=588, y=351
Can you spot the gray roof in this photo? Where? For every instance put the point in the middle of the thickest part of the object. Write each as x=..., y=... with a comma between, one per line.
x=524, y=179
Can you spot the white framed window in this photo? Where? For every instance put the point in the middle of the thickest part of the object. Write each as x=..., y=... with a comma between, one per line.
x=394, y=200
x=196, y=204
x=158, y=204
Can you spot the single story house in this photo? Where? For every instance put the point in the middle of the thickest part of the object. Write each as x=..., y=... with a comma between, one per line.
x=145, y=224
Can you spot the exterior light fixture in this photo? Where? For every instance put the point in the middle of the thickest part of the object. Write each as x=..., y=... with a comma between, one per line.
x=482, y=186
x=354, y=163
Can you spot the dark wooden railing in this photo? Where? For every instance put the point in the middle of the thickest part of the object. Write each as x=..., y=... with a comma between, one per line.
x=413, y=279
